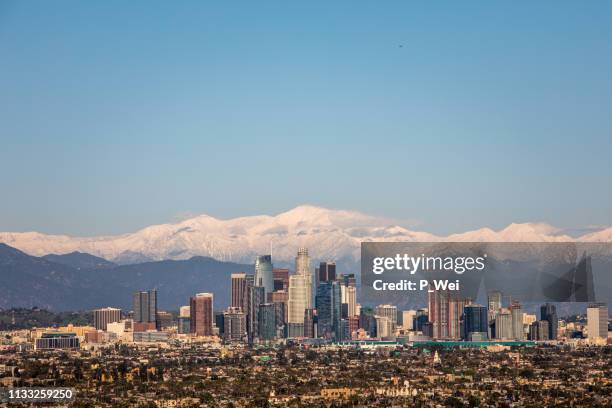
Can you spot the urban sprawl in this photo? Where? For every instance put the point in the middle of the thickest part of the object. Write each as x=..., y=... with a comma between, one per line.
x=302, y=339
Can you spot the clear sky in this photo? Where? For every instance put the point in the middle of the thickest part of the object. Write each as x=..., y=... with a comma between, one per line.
x=115, y=115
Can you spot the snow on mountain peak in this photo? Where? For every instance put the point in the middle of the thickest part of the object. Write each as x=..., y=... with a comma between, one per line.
x=328, y=233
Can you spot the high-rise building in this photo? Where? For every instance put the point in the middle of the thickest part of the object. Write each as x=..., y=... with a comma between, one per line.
x=326, y=272
x=390, y=312
x=102, y=317
x=257, y=297
x=328, y=301
x=445, y=311
x=408, y=317
x=302, y=262
x=475, y=322
x=234, y=321
x=145, y=306
x=548, y=312
x=263, y=274
x=281, y=278
x=300, y=288
x=516, y=311
x=384, y=326
x=219, y=327
x=349, y=298
x=539, y=330
x=267, y=321
x=597, y=320
x=201, y=313
x=503, y=325
x=422, y=317
x=280, y=299
x=239, y=284
x=367, y=320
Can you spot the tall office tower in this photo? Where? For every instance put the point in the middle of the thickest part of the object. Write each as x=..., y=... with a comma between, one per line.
x=445, y=312
x=476, y=322
x=280, y=298
x=310, y=324
x=300, y=288
x=539, y=330
x=302, y=262
x=326, y=272
x=266, y=322
x=548, y=312
x=239, y=284
x=367, y=321
x=390, y=312
x=349, y=298
x=503, y=324
x=495, y=301
x=328, y=303
x=422, y=317
x=249, y=282
x=438, y=313
x=281, y=278
x=597, y=320
x=145, y=306
x=102, y=317
x=280, y=310
x=219, y=326
x=201, y=313
x=184, y=311
x=517, y=321
x=263, y=274
x=408, y=317
x=256, y=298
x=455, y=313
x=384, y=326
x=234, y=321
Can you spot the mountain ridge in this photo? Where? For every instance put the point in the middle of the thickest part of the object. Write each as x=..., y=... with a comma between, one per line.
x=328, y=233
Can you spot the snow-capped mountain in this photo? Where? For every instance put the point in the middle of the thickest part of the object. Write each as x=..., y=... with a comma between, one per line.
x=329, y=234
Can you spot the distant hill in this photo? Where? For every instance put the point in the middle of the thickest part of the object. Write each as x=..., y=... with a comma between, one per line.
x=80, y=260
x=66, y=283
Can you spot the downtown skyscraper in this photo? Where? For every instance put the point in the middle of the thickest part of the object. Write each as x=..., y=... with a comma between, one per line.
x=201, y=314
x=264, y=276
x=145, y=306
x=300, y=289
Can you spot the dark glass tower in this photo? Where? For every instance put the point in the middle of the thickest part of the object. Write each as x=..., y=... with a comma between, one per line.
x=548, y=312
x=145, y=306
x=475, y=321
x=328, y=304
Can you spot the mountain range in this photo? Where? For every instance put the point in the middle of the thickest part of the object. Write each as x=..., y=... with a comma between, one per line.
x=327, y=233
x=78, y=281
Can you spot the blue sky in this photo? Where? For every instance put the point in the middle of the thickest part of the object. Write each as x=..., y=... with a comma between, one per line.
x=115, y=115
